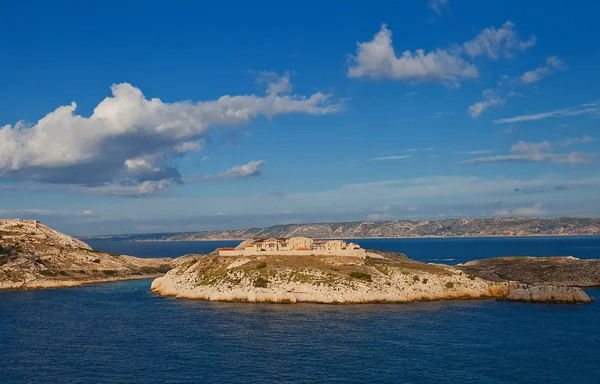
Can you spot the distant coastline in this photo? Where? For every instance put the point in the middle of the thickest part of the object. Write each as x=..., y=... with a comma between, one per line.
x=402, y=229
x=332, y=238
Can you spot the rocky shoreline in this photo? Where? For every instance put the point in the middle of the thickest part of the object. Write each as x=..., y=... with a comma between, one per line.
x=33, y=256
x=335, y=280
x=53, y=284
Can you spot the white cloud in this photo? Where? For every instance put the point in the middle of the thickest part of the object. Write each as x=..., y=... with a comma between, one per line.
x=494, y=42
x=583, y=109
x=578, y=140
x=246, y=170
x=491, y=100
x=508, y=131
x=553, y=65
x=87, y=212
x=379, y=216
x=376, y=59
x=535, y=210
x=419, y=149
x=130, y=139
x=204, y=159
x=437, y=5
x=477, y=152
x=392, y=157
x=131, y=189
x=411, y=93
x=413, y=209
x=539, y=152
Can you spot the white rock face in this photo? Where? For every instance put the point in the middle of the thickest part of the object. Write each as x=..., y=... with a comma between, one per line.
x=316, y=279
x=548, y=294
x=330, y=279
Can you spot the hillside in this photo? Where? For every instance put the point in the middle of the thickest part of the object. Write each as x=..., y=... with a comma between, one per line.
x=35, y=256
x=341, y=279
x=403, y=228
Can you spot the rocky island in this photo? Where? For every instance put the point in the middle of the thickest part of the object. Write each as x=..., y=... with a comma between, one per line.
x=303, y=270
x=34, y=256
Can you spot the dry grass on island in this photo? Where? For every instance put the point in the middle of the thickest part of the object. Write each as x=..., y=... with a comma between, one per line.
x=33, y=256
x=378, y=277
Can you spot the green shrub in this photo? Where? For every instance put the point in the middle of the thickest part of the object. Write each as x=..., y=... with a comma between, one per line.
x=416, y=278
x=96, y=260
x=424, y=281
x=62, y=273
x=449, y=284
x=3, y=260
x=109, y=272
x=261, y=282
x=47, y=273
x=261, y=265
x=361, y=276
x=471, y=277
x=82, y=271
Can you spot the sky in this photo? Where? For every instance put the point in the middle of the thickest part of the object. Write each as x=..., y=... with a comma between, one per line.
x=137, y=117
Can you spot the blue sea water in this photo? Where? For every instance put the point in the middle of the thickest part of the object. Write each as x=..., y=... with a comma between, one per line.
x=121, y=333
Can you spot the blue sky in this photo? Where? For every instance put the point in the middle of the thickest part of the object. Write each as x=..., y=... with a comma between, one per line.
x=155, y=117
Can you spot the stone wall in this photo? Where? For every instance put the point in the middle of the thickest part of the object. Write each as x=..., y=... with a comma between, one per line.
x=332, y=252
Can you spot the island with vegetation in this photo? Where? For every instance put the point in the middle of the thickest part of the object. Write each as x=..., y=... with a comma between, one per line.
x=258, y=271
x=34, y=256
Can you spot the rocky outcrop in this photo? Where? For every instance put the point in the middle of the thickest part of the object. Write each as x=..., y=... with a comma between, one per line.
x=34, y=256
x=335, y=279
x=569, y=271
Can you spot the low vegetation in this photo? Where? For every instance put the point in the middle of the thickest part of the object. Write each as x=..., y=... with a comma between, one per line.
x=109, y=272
x=261, y=282
x=361, y=276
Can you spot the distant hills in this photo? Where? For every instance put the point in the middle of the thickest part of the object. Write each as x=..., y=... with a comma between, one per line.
x=389, y=229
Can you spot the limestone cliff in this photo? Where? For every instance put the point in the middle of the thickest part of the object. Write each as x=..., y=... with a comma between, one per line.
x=335, y=279
x=35, y=256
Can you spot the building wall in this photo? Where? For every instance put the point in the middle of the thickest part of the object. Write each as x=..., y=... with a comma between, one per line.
x=313, y=252
x=299, y=242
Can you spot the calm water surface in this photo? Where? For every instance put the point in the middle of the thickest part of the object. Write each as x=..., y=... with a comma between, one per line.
x=120, y=333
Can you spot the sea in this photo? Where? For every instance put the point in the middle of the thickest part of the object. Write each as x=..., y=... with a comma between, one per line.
x=121, y=333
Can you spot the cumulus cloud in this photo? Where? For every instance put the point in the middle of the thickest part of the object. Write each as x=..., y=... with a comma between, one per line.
x=399, y=157
x=592, y=108
x=377, y=59
x=539, y=152
x=246, y=170
x=127, y=144
x=437, y=5
x=490, y=100
x=553, y=64
x=493, y=43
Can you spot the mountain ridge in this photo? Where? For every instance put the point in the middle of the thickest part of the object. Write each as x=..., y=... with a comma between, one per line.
x=484, y=227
